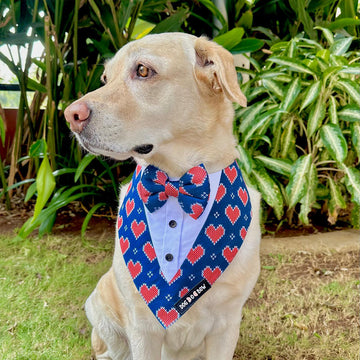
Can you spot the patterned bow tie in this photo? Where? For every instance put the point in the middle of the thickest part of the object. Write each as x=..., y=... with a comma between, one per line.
x=192, y=190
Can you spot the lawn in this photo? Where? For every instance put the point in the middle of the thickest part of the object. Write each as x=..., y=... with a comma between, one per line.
x=305, y=305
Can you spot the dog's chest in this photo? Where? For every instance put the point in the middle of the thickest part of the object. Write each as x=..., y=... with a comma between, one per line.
x=211, y=248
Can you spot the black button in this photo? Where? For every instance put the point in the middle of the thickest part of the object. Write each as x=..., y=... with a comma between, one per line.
x=169, y=257
x=172, y=223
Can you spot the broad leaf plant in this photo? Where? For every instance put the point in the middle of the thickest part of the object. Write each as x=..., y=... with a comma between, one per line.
x=299, y=138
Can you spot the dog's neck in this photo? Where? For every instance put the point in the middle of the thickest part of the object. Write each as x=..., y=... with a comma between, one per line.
x=215, y=149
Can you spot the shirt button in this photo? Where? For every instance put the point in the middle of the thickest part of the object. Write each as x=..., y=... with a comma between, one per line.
x=172, y=223
x=169, y=257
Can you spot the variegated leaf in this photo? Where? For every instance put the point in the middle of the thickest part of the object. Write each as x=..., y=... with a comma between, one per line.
x=245, y=159
x=311, y=94
x=310, y=195
x=292, y=64
x=341, y=46
x=355, y=135
x=269, y=190
x=287, y=138
x=327, y=34
x=352, y=180
x=291, y=94
x=336, y=201
x=316, y=116
x=334, y=141
x=274, y=87
x=298, y=185
x=250, y=114
x=351, y=69
x=333, y=110
x=350, y=113
x=352, y=88
x=280, y=166
x=260, y=121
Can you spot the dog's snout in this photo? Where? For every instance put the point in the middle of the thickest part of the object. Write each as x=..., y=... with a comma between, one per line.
x=78, y=115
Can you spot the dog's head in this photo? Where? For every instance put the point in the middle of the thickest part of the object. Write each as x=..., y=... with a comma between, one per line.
x=164, y=96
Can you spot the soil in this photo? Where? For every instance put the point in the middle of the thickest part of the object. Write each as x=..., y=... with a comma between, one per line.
x=102, y=227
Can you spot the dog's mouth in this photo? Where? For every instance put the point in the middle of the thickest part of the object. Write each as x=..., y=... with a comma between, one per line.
x=143, y=149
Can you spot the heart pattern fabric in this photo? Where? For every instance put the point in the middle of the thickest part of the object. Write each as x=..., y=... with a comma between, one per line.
x=214, y=249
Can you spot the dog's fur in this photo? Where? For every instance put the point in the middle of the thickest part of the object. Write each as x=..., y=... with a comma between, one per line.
x=184, y=109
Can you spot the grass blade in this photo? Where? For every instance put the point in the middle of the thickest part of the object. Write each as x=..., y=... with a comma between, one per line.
x=88, y=218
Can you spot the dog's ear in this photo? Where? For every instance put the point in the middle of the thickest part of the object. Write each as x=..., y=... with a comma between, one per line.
x=215, y=71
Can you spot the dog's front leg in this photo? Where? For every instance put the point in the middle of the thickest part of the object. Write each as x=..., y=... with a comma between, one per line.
x=222, y=346
x=144, y=346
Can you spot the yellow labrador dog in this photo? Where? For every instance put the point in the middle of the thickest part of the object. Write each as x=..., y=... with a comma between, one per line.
x=181, y=271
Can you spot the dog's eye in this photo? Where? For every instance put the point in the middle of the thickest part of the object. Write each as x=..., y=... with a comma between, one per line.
x=142, y=71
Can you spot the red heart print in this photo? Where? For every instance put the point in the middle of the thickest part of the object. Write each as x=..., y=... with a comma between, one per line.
x=232, y=213
x=229, y=253
x=243, y=233
x=137, y=170
x=119, y=222
x=198, y=175
x=130, y=204
x=167, y=317
x=211, y=275
x=197, y=210
x=149, y=251
x=144, y=194
x=220, y=193
x=149, y=294
x=243, y=195
x=195, y=254
x=134, y=269
x=215, y=234
x=138, y=228
x=231, y=173
x=124, y=244
x=183, y=292
x=129, y=187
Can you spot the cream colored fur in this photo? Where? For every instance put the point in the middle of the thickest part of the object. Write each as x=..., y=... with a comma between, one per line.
x=185, y=110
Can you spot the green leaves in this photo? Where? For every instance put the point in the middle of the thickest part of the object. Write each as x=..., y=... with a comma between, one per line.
x=269, y=190
x=311, y=121
x=335, y=142
x=45, y=184
x=291, y=64
x=298, y=181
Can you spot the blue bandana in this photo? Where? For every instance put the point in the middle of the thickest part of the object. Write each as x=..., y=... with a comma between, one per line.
x=215, y=247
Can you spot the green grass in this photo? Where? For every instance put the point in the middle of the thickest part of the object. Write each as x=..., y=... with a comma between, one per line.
x=43, y=287
x=304, y=306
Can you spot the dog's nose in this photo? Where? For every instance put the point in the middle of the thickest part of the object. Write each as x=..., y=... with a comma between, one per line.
x=78, y=115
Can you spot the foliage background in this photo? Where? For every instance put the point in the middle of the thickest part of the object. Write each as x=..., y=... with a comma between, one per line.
x=298, y=139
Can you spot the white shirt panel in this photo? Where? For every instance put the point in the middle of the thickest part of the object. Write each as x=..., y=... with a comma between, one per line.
x=173, y=243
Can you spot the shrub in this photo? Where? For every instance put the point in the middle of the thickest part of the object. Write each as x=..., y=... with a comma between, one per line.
x=299, y=140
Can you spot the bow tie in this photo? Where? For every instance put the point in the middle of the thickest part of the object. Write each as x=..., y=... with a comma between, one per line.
x=192, y=190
